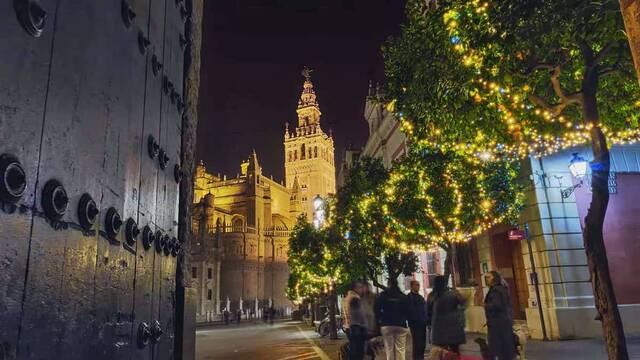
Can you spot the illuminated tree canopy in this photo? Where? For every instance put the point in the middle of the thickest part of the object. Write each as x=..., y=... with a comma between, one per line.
x=517, y=78
x=359, y=215
x=436, y=198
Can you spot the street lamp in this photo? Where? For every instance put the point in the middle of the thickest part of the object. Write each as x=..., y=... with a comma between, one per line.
x=578, y=167
x=318, y=212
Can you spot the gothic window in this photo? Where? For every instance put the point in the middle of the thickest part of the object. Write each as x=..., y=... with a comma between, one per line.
x=209, y=294
x=209, y=273
x=295, y=154
x=194, y=272
x=303, y=153
x=290, y=156
x=237, y=225
x=315, y=151
x=310, y=153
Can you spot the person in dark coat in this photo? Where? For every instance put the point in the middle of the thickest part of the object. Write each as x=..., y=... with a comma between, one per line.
x=417, y=320
x=499, y=314
x=392, y=311
x=445, y=314
x=226, y=315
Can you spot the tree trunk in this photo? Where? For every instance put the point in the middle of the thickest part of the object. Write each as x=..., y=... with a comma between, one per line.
x=191, y=86
x=604, y=296
x=447, y=263
x=631, y=15
x=333, y=328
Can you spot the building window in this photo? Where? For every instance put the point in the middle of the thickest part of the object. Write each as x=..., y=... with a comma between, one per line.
x=464, y=264
x=209, y=273
x=290, y=156
x=315, y=151
x=238, y=225
x=209, y=294
x=303, y=153
x=194, y=272
x=295, y=154
x=431, y=267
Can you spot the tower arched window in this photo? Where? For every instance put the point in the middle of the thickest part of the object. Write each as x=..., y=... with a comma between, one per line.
x=290, y=156
x=237, y=225
x=295, y=154
x=303, y=153
x=315, y=151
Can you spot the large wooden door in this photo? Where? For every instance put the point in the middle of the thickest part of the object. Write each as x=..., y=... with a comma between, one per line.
x=90, y=114
x=507, y=259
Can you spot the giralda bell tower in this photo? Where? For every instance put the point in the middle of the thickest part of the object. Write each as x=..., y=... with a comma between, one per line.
x=308, y=151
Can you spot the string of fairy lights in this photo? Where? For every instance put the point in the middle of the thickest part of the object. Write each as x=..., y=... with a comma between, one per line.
x=520, y=116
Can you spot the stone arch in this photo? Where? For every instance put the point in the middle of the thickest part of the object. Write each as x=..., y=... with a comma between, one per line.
x=237, y=223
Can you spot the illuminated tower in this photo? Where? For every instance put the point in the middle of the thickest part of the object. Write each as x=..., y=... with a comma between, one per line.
x=309, y=151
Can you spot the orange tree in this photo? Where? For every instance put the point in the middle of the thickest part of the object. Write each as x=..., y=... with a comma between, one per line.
x=359, y=218
x=436, y=198
x=519, y=78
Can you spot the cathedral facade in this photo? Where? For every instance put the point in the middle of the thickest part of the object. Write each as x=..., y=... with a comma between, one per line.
x=242, y=225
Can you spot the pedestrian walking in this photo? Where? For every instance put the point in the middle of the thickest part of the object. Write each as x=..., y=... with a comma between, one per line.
x=368, y=299
x=391, y=310
x=417, y=320
x=225, y=316
x=355, y=320
x=499, y=314
x=272, y=314
x=445, y=314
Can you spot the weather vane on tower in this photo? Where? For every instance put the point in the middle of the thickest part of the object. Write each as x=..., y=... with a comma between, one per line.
x=306, y=72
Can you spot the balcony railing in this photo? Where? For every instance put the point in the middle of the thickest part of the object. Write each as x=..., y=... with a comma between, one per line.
x=230, y=229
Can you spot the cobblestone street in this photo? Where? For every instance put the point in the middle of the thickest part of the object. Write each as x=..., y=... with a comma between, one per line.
x=294, y=341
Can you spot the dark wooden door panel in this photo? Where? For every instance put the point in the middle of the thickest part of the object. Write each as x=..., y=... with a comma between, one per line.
x=24, y=74
x=78, y=107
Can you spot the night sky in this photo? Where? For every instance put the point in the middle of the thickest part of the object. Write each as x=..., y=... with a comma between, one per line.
x=253, y=52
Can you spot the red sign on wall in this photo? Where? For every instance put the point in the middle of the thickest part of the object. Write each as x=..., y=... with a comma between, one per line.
x=516, y=235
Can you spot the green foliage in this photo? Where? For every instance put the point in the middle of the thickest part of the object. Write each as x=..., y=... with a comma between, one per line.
x=436, y=198
x=511, y=77
x=359, y=216
x=306, y=261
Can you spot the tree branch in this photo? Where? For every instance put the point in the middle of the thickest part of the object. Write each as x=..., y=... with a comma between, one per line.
x=587, y=51
x=565, y=99
x=374, y=278
x=603, y=53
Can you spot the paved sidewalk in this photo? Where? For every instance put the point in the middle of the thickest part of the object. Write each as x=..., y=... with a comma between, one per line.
x=585, y=349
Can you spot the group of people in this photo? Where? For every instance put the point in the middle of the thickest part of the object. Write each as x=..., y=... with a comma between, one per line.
x=440, y=318
x=268, y=314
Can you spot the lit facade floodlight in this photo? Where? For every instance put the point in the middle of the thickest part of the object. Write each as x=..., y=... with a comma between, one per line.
x=317, y=203
x=318, y=212
x=578, y=166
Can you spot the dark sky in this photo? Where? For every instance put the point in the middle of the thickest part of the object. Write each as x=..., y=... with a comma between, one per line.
x=253, y=52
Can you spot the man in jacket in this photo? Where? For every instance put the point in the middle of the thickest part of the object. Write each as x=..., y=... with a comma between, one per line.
x=355, y=321
x=392, y=312
x=417, y=320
